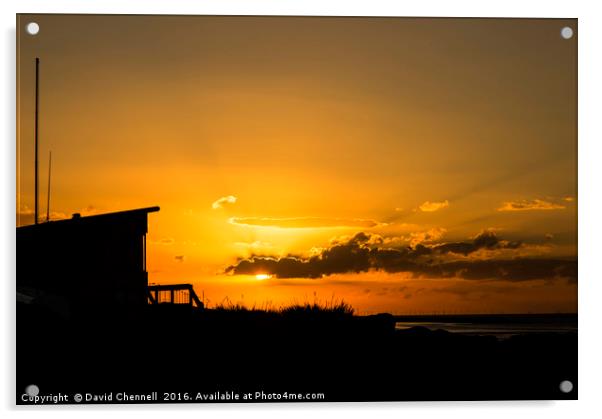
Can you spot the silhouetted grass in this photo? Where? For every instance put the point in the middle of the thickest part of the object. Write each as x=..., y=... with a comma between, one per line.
x=340, y=308
x=332, y=308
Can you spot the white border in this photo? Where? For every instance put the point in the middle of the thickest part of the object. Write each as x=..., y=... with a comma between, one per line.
x=590, y=136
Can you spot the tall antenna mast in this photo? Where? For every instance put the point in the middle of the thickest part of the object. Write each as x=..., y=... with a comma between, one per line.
x=36, y=205
x=49, y=173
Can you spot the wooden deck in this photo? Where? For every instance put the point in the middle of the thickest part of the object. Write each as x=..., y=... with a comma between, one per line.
x=173, y=294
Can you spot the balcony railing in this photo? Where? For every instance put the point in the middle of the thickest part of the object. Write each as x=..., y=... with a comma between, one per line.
x=173, y=294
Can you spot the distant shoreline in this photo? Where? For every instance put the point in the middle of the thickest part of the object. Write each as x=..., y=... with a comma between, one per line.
x=489, y=318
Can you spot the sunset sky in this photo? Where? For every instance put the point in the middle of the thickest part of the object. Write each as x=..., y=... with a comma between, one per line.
x=403, y=165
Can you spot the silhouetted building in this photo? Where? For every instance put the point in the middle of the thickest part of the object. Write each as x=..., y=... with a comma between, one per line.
x=85, y=263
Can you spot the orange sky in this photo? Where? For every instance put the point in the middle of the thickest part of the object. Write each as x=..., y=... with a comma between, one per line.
x=266, y=137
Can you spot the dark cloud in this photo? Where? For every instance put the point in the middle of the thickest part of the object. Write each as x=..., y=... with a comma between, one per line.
x=362, y=253
x=522, y=269
x=485, y=240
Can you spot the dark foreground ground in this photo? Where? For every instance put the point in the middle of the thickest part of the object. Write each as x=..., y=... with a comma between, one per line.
x=182, y=354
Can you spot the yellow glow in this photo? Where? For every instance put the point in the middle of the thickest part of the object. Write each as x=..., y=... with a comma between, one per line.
x=261, y=277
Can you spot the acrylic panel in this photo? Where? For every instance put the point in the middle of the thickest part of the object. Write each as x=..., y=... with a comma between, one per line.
x=295, y=209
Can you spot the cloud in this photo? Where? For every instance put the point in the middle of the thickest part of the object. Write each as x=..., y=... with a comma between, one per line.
x=568, y=199
x=530, y=205
x=362, y=253
x=523, y=269
x=57, y=215
x=84, y=212
x=366, y=238
x=253, y=245
x=25, y=215
x=304, y=222
x=180, y=258
x=486, y=239
x=433, y=206
x=224, y=200
x=430, y=235
x=25, y=210
x=89, y=210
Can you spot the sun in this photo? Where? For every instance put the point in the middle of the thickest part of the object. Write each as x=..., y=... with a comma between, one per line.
x=261, y=277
